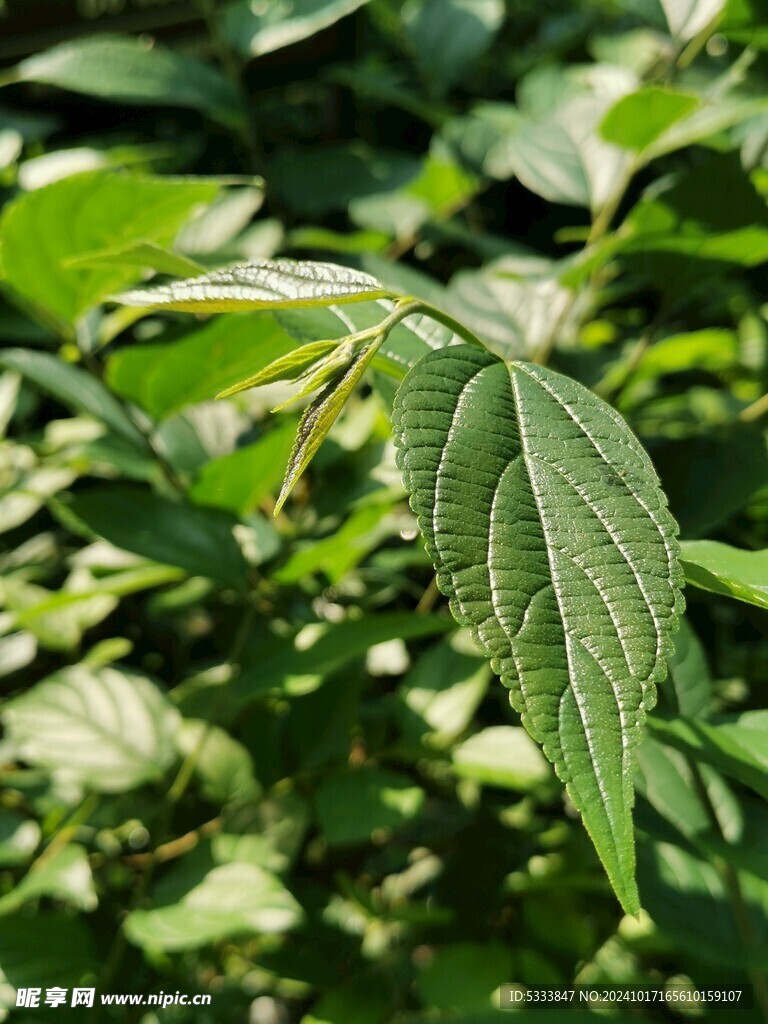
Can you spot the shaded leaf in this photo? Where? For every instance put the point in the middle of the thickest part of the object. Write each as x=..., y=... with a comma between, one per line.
x=198, y=540
x=351, y=807
x=543, y=517
x=126, y=70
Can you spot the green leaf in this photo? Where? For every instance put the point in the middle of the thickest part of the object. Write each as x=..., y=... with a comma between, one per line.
x=351, y=807
x=64, y=875
x=448, y=35
x=247, y=476
x=139, y=254
x=503, y=755
x=722, y=569
x=319, y=417
x=107, y=729
x=637, y=120
x=126, y=70
x=736, y=745
x=223, y=766
x=164, y=378
x=198, y=540
x=73, y=387
x=689, y=673
x=439, y=696
x=686, y=18
x=81, y=214
x=234, y=899
x=543, y=517
x=287, y=367
x=259, y=30
x=261, y=284
x=552, y=142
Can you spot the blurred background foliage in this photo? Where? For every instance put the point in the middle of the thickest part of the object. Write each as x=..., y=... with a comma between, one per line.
x=256, y=758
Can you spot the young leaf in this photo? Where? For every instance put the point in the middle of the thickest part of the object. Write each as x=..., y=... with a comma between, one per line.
x=543, y=516
x=637, y=120
x=287, y=367
x=262, y=284
x=320, y=416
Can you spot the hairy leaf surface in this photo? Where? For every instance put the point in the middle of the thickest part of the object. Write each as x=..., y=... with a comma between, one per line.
x=261, y=284
x=543, y=516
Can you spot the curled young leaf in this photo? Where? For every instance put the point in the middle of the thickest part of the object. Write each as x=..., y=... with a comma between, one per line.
x=545, y=522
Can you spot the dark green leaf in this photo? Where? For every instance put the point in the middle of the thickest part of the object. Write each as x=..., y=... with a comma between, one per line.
x=543, y=517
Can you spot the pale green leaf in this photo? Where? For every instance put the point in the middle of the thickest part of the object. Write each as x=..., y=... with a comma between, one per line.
x=126, y=70
x=64, y=875
x=723, y=569
x=258, y=29
x=234, y=899
x=223, y=766
x=261, y=284
x=544, y=519
x=502, y=755
x=109, y=730
x=687, y=18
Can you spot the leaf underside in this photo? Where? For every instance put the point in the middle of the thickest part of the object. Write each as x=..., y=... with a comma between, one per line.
x=261, y=284
x=544, y=519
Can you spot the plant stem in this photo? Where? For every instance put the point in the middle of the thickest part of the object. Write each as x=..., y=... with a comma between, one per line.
x=447, y=321
x=754, y=411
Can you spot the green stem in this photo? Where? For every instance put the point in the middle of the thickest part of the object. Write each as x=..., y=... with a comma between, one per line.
x=447, y=321
x=755, y=411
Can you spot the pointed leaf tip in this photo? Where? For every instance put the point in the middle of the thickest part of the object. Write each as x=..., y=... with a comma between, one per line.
x=544, y=519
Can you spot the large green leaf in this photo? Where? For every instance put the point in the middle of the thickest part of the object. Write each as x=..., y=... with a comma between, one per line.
x=726, y=570
x=261, y=284
x=108, y=729
x=543, y=516
x=40, y=232
x=126, y=70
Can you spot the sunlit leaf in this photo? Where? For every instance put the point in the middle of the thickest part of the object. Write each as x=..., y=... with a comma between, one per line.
x=543, y=517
